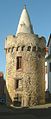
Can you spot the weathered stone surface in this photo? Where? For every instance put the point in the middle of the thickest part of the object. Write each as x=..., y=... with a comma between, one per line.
x=32, y=91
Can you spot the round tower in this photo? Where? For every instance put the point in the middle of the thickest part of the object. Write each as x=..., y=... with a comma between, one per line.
x=25, y=65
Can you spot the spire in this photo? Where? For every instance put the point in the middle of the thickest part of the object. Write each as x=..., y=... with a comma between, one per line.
x=24, y=25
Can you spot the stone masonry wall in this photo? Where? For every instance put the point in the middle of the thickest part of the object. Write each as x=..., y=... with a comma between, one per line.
x=32, y=91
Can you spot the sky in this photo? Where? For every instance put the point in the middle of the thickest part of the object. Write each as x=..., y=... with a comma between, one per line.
x=10, y=11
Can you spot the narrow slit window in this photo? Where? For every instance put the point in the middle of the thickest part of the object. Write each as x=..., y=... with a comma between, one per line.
x=17, y=84
x=19, y=63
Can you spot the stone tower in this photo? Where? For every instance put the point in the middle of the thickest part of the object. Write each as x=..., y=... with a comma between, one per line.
x=25, y=65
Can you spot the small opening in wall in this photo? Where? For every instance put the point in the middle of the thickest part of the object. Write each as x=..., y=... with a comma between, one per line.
x=23, y=48
x=17, y=49
x=17, y=100
x=16, y=84
x=19, y=62
x=29, y=48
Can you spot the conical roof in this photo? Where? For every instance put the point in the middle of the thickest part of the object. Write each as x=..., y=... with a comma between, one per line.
x=24, y=25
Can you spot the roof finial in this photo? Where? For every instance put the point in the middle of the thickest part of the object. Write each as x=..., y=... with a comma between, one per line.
x=25, y=6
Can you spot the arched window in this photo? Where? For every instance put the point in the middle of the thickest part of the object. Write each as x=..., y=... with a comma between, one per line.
x=34, y=48
x=29, y=48
x=23, y=48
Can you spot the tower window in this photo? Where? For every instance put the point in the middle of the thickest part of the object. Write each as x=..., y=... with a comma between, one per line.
x=23, y=48
x=19, y=62
x=17, y=100
x=50, y=67
x=29, y=48
x=18, y=48
x=18, y=84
